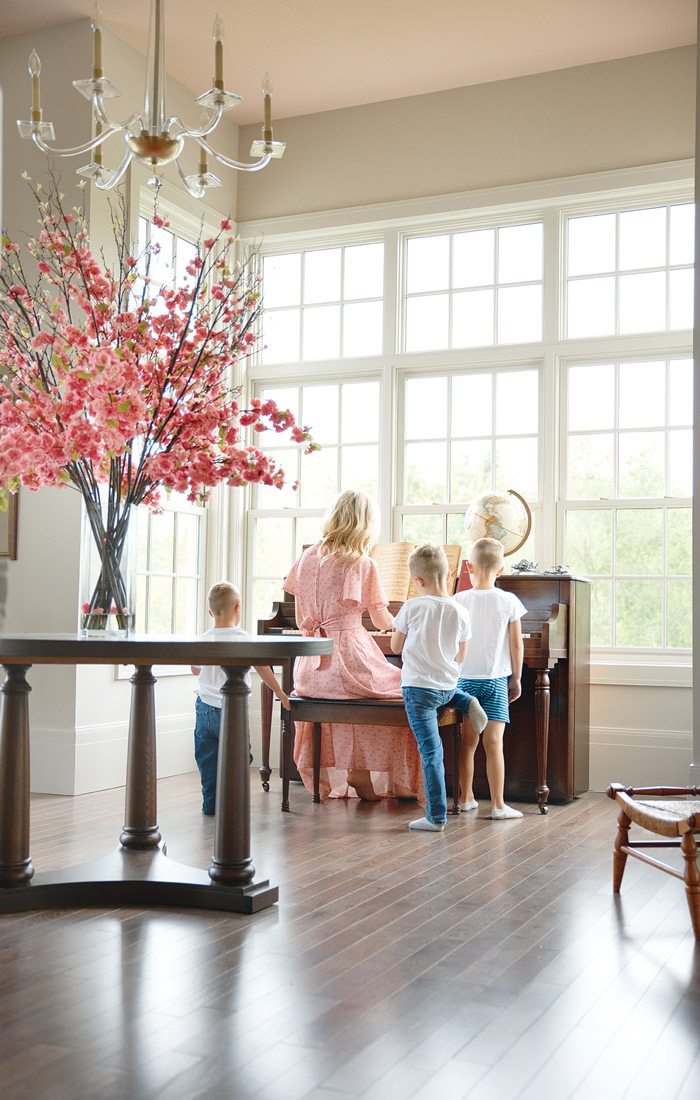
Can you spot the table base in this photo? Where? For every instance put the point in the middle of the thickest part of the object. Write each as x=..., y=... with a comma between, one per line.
x=135, y=879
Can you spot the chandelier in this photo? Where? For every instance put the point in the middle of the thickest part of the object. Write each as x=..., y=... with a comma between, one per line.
x=153, y=137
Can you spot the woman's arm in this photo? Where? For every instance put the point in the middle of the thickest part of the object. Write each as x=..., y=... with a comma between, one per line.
x=381, y=619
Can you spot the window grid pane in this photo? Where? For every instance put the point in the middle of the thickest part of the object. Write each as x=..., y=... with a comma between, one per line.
x=169, y=573
x=344, y=418
x=451, y=454
x=629, y=272
x=323, y=304
x=636, y=549
x=474, y=289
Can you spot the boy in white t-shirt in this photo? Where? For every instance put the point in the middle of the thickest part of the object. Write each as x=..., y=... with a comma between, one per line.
x=225, y=610
x=491, y=671
x=431, y=633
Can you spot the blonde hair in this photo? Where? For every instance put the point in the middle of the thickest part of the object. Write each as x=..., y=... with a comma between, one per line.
x=348, y=527
x=223, y=597
x=486, y=554
x=429, y=562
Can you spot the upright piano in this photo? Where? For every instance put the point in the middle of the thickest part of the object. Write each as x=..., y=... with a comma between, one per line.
x=547, y=742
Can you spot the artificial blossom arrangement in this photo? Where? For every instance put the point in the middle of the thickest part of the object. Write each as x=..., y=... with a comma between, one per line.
x=120, y=389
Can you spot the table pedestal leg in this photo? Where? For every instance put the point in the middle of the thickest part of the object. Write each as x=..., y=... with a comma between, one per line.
x=140, y=811
x=15, y=862
x=231, y=864
x=542, y=701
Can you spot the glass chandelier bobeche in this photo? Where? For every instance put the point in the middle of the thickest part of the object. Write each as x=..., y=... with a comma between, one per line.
x=152, y=136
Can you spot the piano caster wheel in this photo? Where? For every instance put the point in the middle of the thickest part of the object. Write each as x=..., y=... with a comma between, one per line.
x=266, y=785
x=543, y=809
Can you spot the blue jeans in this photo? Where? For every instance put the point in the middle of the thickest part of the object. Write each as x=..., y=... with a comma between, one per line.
x=422, y=707
x=206, y=750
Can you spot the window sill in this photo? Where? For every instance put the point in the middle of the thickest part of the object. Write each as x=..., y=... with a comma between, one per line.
x=642, y=670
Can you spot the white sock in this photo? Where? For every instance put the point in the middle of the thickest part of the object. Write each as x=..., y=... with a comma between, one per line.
x=477, y=716
x=505, y=812
x=424, y=826
x=465, y=807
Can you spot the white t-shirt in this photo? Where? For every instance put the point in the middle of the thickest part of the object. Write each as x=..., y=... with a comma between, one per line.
x=434, y=627
x=491, y=611
x=212, y=677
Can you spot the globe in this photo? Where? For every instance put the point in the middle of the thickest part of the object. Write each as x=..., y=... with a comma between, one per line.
x=503, y=516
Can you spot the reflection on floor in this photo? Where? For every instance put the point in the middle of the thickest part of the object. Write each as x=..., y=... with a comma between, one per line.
x=489, y=962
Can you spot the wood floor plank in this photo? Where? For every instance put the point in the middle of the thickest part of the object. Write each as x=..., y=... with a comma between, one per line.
x=493, y=961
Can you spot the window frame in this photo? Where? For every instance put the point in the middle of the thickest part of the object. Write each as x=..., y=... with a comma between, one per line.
x=552, y=202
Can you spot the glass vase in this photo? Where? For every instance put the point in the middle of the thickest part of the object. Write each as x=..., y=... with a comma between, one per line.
x=108, y=571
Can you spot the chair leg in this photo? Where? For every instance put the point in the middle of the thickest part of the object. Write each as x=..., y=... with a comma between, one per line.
x=456, y=750
x=287, y=734
x=317, y=760
x=620, y=857
x=691, y=877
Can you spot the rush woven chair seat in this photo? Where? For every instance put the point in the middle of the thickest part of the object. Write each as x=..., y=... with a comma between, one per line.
x=670, y=812
x=358, y=712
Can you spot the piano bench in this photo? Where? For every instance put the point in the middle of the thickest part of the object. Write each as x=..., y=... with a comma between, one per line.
x=357, y=712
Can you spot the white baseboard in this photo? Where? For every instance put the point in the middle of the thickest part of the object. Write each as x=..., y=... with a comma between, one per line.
x=93, y=758
x=639, y=757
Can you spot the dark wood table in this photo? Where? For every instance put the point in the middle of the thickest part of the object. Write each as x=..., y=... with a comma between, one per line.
x=138, y=873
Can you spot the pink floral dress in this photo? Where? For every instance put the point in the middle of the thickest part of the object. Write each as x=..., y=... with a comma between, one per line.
x=331, y=594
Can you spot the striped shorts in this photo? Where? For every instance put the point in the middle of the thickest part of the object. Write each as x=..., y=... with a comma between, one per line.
x=492, y=694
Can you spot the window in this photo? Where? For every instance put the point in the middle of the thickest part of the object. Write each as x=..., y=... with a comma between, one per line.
x=472, y=289
x=465, y=433
x=345, y=419
x=598, y=441
x=323, y=304
x=628, y=490
x=630, y=272
x=169, y=573
x=170, y=561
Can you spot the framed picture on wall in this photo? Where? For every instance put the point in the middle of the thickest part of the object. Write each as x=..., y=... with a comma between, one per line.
x=8, y=529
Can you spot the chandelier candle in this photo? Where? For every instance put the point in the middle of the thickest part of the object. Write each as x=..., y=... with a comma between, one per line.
x=152, y=136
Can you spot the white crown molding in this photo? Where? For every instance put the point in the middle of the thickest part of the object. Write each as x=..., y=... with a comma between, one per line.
x=669, y=178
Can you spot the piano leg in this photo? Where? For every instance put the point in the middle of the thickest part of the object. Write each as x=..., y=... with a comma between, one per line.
x=542, y=701
x=266, y=717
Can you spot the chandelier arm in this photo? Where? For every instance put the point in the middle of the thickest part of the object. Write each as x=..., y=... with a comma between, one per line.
x=208, y=129
x=196, y=192
x=115, y=177
x=102, y=117
x=77, y=149
x=254, y=166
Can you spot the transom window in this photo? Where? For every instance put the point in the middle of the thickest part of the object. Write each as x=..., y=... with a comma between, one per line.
x=323, y=304
x=630, y=272
x=627, y=514
x=473, y=289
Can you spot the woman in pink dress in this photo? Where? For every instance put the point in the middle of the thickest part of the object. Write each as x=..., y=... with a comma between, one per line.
x=333, y=583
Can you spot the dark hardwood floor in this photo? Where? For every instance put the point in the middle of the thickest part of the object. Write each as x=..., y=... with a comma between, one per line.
x=492, y=962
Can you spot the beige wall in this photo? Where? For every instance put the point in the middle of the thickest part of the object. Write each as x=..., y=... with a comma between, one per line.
x=615, y=114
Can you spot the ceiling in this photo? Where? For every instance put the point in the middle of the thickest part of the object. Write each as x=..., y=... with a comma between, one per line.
x=326, y=54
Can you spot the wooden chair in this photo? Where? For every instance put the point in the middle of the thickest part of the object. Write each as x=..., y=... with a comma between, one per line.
x=671, y=812
x=359, y=712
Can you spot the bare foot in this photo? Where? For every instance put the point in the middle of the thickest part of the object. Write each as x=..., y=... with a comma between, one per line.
x=362, y=782
x=399, y=792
